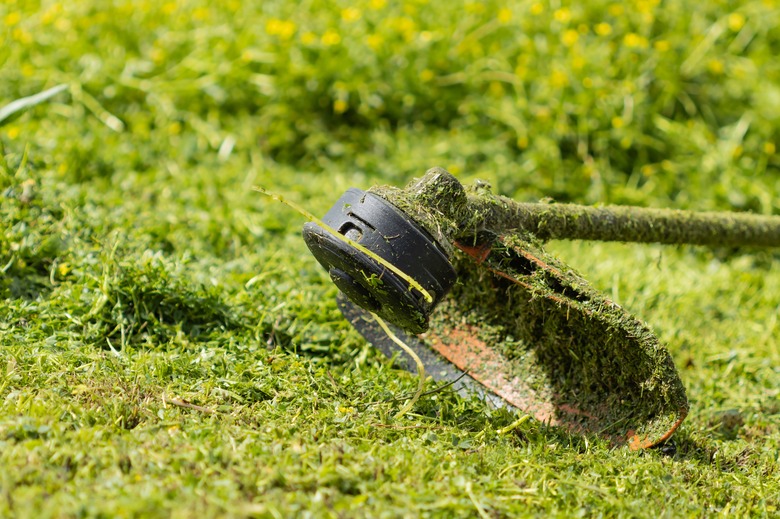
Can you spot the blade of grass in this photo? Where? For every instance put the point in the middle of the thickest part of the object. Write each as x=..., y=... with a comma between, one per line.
x=25, y=103
x=413, y=355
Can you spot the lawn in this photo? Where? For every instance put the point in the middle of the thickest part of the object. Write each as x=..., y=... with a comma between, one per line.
x=169, y=347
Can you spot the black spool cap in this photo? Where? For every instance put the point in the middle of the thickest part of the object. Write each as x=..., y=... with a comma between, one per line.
x=385, y=230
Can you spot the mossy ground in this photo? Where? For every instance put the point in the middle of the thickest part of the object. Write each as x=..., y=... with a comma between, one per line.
x=169, y=348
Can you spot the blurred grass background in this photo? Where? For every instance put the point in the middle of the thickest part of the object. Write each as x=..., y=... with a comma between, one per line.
x=138, y=268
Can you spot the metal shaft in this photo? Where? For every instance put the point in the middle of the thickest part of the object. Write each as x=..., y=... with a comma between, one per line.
x=627, y=224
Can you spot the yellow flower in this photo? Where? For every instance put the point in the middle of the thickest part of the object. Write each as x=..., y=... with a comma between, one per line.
x=282, y=28
x=13, y=132
x=570, y=37
x=522, y=142
x=646, y=6
x=769, y=148
x=308, y=38
x=426, y=75
x=22, y=36
x=562, y=15
x=634, y=40
x=403, y=24
x=603, y=29
x=350, y=14
x=331, y=37
x=715, y=66
x=201, y=13
x=374, y=41
x=157, y=55
x=537, y=8
x=504, y=15
x=662, y=45
x=736, y=21
x=12, y=19
x=542, y=113
x=559, y=79
x=377, y=4
x=340, y=106
x=63, y=269
x=51, y=14
x=496, y=89
x=618, y=122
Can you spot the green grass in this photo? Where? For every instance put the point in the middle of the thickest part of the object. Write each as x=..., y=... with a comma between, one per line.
x=168, y=347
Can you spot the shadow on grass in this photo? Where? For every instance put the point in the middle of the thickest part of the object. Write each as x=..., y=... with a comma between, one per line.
x=28, y=272
x=147, y=305
x=28, y=287
x=682, y=446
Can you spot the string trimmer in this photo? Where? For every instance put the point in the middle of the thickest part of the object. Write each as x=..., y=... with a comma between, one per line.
x=490, y=311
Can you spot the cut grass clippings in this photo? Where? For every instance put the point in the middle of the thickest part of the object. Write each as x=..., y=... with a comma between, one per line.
x=168, y=347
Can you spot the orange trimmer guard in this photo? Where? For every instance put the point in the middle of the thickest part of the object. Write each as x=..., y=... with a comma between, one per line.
x=529, y=330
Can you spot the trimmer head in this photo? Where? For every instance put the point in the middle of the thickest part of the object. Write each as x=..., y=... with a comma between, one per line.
x=526, y=330
x=385, y=230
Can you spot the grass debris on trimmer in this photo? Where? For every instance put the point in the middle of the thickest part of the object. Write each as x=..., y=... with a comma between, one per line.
x=501, y=317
